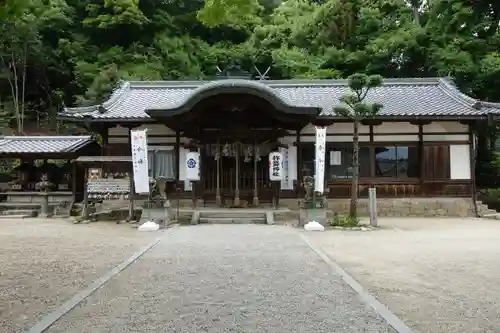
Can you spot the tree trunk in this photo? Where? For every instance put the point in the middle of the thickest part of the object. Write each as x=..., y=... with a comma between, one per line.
x=353, y=208
x=23, y=84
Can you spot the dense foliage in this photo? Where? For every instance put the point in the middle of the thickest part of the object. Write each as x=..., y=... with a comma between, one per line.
x=55, y=52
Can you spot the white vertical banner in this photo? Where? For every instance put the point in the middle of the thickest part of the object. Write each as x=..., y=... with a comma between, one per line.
x=182, y=170
x=275, y=166
x=319, y=169
x=192, y=166
x=284, y=180
x=139, y=147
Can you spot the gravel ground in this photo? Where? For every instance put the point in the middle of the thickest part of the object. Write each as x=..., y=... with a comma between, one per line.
x=45, y=262
x=225, y=278
x=438, y=275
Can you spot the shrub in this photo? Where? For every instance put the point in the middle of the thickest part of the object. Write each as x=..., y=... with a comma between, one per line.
x=344, y=221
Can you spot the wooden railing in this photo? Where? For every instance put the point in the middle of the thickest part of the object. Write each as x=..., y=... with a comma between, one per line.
x=404, y=189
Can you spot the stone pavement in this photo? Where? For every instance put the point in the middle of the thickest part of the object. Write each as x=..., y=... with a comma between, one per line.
x=225, y=278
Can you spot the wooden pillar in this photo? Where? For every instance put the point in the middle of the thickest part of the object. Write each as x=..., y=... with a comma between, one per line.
x=299, y=164
x=73, y=180
x=177, y=154
x=421, y=158
x=255, y=182
x=178, y=187
x=104, y=132
x=472, y=153
x=218, y=200
x=237, y=176
x=85, y=210
x=194, y=184
x=131, y=196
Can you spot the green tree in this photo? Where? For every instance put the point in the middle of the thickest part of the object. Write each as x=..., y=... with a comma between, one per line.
x=355, y=107
x=229, y=12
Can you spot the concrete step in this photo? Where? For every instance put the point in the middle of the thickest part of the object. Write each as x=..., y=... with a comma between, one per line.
x=232, y=214
x=237, y=216
x=233, y=220
x=19, y=213
x=495, y=216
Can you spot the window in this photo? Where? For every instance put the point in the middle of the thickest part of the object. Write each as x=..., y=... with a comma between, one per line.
x=339, y=161
x=162, y=163
x=397, y=162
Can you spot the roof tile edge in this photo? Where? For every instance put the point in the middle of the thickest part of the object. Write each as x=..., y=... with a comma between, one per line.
x=448, y=87
x=293, y=82
x=46, y=137
x=122, y=88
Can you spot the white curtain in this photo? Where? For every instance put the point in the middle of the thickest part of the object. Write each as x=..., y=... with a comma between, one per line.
x=161, y=163
x=165, y=164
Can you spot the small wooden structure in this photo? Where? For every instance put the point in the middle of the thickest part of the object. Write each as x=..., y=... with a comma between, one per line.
x=46, y=158
x=108, y=182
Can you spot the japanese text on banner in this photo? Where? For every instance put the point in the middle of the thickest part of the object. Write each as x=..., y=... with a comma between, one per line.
x=319, y=175
x=139, y=146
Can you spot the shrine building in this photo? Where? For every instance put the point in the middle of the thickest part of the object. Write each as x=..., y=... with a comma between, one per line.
x=420, y=146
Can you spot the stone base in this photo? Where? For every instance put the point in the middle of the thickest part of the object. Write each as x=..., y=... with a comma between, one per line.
x=400, y=207
x=318, y=215
x=157, y=212
x=319, y=203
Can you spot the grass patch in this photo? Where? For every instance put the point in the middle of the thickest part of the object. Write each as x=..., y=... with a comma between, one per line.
x=344, y=221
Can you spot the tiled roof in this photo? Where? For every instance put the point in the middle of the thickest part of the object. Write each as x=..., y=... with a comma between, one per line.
x=400, y=97
x=42, y=144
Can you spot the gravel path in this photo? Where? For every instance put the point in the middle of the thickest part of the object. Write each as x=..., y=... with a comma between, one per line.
x=438, y=275
x=44, y=262
x=224, y=278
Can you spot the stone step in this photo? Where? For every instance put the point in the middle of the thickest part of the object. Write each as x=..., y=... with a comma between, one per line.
x=19, y=213
x=236, y=214
x=233, y=220
x=494, y=216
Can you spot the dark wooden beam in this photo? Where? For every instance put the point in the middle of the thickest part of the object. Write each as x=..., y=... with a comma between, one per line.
x=420, y=122
x=371, y=122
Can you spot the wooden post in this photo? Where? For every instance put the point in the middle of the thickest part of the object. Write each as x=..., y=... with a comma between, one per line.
x=131, y=208
x=421, y=157
x=237, y=173
x=218, y=200
x=85, y=211
x=299, y=164
x=177, y=154
x=472, y=161
x=255, y=184
x=105, y=139
x=73, y=180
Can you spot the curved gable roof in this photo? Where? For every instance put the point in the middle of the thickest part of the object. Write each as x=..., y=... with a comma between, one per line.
x=417, y=97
